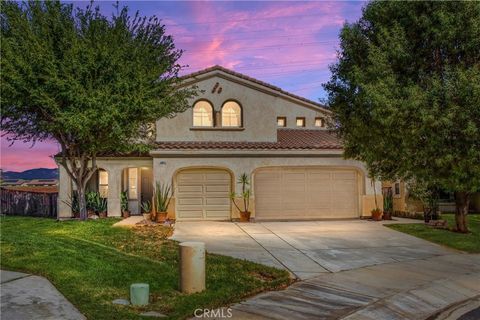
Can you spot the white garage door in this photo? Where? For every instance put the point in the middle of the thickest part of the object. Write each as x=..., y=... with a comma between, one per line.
x=305, y=193
x=203, y=194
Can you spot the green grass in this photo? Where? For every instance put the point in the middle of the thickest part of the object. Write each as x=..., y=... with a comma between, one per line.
x=92, y=264
x=465, y=242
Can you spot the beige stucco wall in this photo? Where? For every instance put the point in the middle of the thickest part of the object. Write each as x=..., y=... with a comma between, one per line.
x=260, y=112
x=114, y=167
x=165, y=169
x=403, y=202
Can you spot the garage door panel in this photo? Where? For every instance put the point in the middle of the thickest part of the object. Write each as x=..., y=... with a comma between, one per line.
x=190, y=214
x=316, y=176
x=190, y=176
x=203, y=194
x=217, y=201
x=222, y=188
x=190, y=201
x=289, y=193
x=345, y=175
x=190, y=189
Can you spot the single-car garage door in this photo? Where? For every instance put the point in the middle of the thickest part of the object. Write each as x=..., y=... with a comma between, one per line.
x=305, y=193
x=203, y=194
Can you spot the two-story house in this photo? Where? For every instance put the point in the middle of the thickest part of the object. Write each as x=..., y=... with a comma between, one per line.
x=239, y=125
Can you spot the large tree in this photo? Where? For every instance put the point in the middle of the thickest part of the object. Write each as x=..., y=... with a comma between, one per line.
x=94, y=84
x=405, y=93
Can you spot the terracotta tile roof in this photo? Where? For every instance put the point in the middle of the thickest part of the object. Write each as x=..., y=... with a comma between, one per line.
x=245, y=77
x=134, y=154
x=287, y=139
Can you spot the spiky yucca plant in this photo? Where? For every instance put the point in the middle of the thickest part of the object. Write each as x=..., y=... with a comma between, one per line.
x=163, y=195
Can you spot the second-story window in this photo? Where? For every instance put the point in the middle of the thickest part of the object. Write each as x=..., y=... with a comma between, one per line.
x=231, y=114
x=300, y=122
x=319, y=122
x=202, y=114
x=281, y=122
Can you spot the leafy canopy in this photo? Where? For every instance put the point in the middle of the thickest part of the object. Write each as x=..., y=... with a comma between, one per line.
x=406, y=91
x=90, y=82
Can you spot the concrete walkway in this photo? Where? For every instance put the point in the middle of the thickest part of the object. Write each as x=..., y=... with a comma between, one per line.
x=311, y=248
x=416, y=289
x=29, y=297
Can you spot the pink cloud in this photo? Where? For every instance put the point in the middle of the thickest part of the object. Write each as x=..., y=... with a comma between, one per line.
x=287, y=48
x=23, y=156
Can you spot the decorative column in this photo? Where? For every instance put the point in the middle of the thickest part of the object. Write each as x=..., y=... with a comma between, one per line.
x=64, y=194
x=114, y=188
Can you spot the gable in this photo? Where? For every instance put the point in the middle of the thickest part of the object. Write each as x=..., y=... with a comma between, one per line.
x=252, y=83
x=260, y=106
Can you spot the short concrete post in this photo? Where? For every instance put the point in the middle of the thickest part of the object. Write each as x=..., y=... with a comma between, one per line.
x=192, y=267
x=139, y=293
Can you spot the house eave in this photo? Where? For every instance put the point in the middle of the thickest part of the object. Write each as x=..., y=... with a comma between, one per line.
x=196, y=153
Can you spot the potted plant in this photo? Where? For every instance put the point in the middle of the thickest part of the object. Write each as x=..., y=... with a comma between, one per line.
x=163, y=194
x=91, y=202
x=101, y=206
x=245, y=195
x=376, y=213
x=124, y=204
x=147, y=209
x=387, y=204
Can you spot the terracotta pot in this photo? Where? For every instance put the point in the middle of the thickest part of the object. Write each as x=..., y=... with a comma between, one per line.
x=387, y=215
x=376, y=215
x=126, y=214
x=245, y=216
x=102, y=214
x=161, y=217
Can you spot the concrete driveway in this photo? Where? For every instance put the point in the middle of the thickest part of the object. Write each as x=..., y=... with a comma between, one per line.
x=310, y=248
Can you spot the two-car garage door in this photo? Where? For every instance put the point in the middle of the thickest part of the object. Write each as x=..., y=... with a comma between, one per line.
x=305, y=193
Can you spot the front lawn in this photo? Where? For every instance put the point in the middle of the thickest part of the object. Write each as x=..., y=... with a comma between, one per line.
x=466, y=242
x=92, y=264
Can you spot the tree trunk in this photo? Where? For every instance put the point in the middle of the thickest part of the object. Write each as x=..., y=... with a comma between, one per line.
x=82, y=202
x=80, y=172
x=462, y=201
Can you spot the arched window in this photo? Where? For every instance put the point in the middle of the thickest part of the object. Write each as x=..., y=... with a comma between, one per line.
x=231, y=114
x=202, y=114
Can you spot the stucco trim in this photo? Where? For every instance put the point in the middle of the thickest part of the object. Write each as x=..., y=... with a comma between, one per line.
x=244, y=153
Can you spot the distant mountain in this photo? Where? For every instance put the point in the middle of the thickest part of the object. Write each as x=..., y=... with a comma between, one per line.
x=40, y=173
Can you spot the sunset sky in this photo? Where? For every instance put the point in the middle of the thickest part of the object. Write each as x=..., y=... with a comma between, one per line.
x=288, y=44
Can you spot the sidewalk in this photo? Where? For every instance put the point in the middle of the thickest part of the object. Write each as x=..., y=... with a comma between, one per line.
x=29, y=297
x=415, y=289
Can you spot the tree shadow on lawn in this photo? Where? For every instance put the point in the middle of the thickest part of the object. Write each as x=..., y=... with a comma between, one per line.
x=93, y=264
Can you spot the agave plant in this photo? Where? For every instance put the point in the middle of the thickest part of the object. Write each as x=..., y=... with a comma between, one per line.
x=146, y=206
x=100, y=204
x=91, y=198
x=72, y=202
x=162, y=196
x=388, y=201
